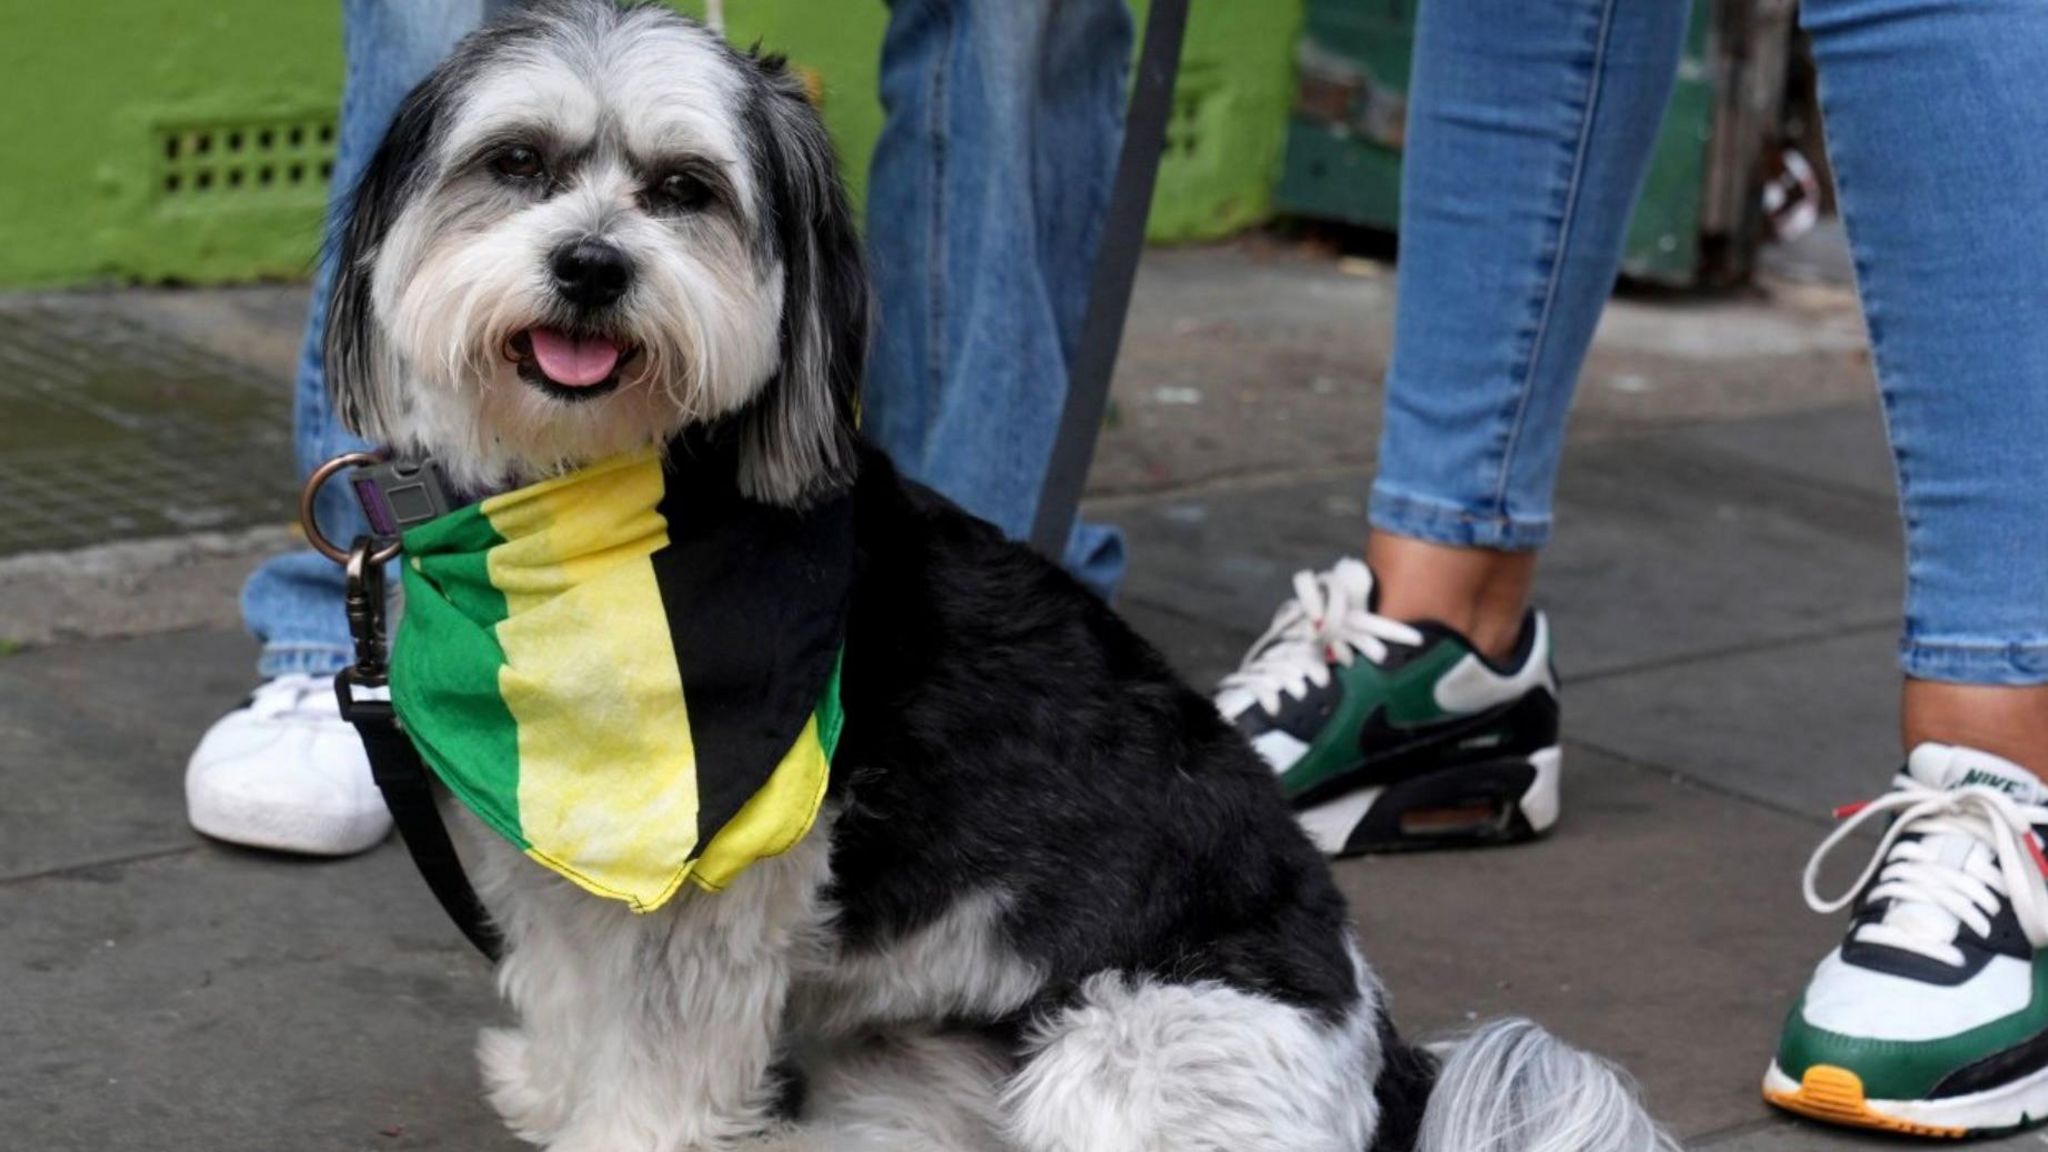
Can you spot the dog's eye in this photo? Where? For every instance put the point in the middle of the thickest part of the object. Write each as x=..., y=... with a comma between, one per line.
x=518, y=162
x=681, y=192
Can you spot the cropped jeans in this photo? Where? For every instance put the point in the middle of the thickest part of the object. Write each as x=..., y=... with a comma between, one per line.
x=990, y=181
x=1530, y=129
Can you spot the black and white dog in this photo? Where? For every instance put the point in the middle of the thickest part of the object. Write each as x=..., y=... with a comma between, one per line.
x=1055, y=903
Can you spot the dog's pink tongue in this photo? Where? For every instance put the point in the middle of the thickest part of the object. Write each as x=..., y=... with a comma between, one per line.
x=573, y=362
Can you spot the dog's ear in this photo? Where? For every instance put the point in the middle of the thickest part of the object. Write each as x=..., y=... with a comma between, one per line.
x=797, y=437
x=357, y=361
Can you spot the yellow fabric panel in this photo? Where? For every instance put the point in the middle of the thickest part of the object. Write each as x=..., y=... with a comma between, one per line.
x=591, y=679
x=773, y=819
x=602, y=516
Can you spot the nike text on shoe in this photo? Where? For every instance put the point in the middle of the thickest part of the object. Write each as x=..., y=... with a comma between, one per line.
x=1931, y=1018
x=286, y=772
x=1388, y=735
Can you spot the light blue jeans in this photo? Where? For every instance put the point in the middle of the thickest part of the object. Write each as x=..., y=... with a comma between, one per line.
x=985, y=206
x=987, y=193
x=1530, y=129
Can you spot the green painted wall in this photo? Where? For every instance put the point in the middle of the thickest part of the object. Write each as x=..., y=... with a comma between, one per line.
x=91, y=87
x=160, y=140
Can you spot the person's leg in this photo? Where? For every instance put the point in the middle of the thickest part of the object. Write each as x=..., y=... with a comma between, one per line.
x=283, y=770
x=1530, y=131
x=985, y=207
x=1945, y=194
x=1530, y=128
x=292, y=603
x=1925, y=1018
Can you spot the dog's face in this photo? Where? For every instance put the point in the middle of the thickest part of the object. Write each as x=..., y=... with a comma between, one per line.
x=589, y=229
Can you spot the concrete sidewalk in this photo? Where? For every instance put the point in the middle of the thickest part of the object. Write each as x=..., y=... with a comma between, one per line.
x=1724, y=586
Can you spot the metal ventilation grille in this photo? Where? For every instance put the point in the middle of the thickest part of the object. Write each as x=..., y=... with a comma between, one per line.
x=245, y=159
x=1197, y=98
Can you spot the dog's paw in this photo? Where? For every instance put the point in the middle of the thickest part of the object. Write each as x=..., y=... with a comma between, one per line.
x=533, y=1103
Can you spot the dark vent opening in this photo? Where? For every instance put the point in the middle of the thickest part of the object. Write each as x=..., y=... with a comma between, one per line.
x=254, y=160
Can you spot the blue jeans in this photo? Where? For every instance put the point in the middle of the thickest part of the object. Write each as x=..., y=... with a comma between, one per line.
x=1531, y=124
x=989, y=185
x=292, y=603
x=985, y=207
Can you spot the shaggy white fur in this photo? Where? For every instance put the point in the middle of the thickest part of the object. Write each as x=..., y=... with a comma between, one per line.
x=644, y=1033
x=1140, y=1066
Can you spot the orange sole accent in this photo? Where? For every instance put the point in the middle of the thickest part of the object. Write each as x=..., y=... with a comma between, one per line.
x=1835, y=1096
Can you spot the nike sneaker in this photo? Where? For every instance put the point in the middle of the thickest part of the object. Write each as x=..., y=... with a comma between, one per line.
x=1389, y=735
x=1931, y=1018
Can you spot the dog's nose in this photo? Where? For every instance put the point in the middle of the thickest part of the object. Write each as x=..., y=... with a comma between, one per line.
x=591, y=273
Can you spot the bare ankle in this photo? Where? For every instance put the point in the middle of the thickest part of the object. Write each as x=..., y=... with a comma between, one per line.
x=2007, y=722
x=1482, y=593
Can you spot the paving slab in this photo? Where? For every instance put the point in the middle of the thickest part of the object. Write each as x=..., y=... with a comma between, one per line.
x=1661, y=926
x=1807, y=727
x=1669, y=546
x=1200, y=650
x=131, y=588
x=1843, y=446
x=1799, y=1136
x=1260, y=358
x=93, y=743
x=115, y=431
x=221, y=1001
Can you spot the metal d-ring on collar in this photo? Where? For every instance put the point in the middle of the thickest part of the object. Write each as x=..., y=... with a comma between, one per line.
x=395, y=764
x=310, y=495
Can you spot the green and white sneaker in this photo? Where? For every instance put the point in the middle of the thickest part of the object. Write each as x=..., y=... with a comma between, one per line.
x=1931, y=1018
x=1388, y=735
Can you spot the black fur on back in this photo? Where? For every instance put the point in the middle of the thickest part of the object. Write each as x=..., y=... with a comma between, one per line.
x=1006, y=731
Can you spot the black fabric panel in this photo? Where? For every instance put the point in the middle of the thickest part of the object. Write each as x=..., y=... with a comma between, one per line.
x=2023, y=1059
x=756, y=602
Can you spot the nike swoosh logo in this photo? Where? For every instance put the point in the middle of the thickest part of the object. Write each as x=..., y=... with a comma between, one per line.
x=1379, y=741
x=1390, y=753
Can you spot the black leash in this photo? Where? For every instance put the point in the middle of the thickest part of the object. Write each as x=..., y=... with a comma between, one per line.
x=1116, y=270
x=395, y=764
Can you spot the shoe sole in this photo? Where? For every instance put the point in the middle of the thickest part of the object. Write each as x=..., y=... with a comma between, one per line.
x=238, y=821
x=1834, y=1095
x=1495, y=802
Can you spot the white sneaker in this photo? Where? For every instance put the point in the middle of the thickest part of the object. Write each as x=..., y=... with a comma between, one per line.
x=285, y=771
x=1931, y=1019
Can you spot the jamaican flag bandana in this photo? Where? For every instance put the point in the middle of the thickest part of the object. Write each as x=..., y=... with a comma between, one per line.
x=631, y=671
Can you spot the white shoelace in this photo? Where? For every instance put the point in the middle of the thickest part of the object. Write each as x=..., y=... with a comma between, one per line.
x=1327, y=622
x=2005, y=860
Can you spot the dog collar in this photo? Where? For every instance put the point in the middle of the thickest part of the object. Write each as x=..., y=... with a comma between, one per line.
x=397, y=494
x=630, y=672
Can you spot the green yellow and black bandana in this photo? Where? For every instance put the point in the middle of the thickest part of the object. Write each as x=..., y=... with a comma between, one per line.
x=630, y=672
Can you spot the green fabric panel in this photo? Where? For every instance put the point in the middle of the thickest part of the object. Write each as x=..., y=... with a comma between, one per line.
x=1908, y=1069
x=831, y=717
x=444, y=667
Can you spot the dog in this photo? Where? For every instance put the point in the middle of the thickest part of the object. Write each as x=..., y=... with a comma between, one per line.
x=1054, y=902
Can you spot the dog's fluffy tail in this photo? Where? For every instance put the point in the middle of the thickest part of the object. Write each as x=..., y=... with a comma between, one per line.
x=1512, y=1087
